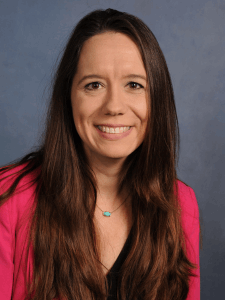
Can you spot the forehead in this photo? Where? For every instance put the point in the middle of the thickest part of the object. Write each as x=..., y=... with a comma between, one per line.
x=110, y=52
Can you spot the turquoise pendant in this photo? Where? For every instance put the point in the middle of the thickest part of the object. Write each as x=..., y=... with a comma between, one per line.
x=106, y=214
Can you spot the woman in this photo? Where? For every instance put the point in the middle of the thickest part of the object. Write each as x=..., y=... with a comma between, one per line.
x=98, y=212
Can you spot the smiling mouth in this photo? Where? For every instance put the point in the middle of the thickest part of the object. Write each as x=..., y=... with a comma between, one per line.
x=114, y=130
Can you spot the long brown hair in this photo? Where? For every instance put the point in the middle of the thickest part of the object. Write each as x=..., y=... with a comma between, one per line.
x=63, y=235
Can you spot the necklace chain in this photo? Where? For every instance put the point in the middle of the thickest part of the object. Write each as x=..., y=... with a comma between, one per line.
x=107, y=213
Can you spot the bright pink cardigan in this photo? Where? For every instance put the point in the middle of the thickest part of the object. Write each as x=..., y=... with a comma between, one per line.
x=14, y=222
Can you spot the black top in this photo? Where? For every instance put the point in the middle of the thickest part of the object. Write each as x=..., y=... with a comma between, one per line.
x=112, y=276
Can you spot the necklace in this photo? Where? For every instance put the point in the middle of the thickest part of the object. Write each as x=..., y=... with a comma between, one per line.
x=107, y=213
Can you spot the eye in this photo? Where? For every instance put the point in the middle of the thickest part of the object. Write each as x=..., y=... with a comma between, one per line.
x=135, y=85
x=94, y=85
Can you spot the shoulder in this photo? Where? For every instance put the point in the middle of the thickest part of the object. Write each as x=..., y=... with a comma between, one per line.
x=15, y=219
x=191, y=233
x=20, y=203
x=186, y=196
x=188, y=206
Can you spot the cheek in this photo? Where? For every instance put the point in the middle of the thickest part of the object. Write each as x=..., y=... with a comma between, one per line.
x=84, y=108
x=79, y=122
x=78, y=115
x=145, y=111
x=142, y=112
x=83, y=112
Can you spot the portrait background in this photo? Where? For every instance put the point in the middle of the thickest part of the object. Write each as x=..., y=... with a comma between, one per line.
x=191, y=35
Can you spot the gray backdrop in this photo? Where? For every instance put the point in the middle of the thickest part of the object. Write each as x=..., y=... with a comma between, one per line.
x=191, y=35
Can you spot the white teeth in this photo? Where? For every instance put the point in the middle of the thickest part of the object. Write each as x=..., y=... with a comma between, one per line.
x=114, y=130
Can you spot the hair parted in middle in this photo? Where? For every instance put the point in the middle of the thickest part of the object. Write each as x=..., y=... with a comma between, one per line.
x=66, y=254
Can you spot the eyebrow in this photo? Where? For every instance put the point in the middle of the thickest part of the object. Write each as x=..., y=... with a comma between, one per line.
x=101, y=77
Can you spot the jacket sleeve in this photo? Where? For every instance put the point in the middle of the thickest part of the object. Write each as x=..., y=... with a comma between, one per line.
x=6, y=253
x=192, y=246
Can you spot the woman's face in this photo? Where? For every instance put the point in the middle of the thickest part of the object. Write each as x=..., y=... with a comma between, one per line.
x=109, y=96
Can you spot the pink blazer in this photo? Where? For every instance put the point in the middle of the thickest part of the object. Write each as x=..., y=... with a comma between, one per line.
x=14, y=220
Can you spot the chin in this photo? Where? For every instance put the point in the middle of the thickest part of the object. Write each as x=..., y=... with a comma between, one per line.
x=118, y=154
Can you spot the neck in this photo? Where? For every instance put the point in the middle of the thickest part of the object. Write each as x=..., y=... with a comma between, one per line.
x=107, y=171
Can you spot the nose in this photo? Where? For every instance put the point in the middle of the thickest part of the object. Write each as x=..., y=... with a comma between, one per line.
x=114, y=102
